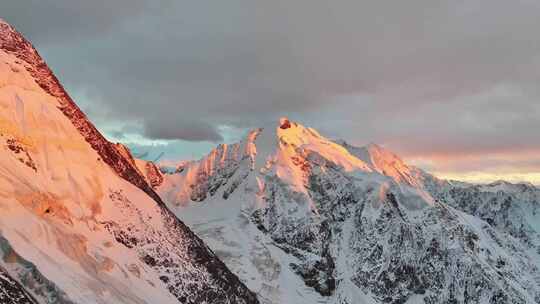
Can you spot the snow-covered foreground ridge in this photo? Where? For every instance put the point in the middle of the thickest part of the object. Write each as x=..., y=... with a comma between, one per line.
x=305, y=219
x=79, y=223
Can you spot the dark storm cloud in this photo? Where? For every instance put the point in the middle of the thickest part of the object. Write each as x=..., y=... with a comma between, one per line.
x=65, y=21
x=181, y=129
x=426, y=77
x=502, y=119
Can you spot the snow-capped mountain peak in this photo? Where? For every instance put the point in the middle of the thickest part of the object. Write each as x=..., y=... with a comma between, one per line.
x=291, y=151
x=289, y=209
x=387, y=163
x=297, y=138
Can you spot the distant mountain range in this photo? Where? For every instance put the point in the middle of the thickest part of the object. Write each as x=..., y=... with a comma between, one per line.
x=305, y=219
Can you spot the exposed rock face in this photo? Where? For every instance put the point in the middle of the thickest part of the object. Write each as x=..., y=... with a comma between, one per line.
x=11, y=292
x=357, y=224
x=81, y=219
x=146, y=169
x=172, y=251
x=153, y=175
x=284, y=123
x=512, y=208
x=20, y=151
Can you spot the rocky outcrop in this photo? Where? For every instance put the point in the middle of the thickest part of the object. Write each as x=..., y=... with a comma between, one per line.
x=11, y=292
x=178, y=255
x=153, y=175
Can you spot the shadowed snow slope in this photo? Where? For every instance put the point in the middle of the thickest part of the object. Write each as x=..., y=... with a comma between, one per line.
x=80, y=223
x=303, y=219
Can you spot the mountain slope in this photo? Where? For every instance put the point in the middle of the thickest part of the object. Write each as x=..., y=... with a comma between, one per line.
x=79, y=222
x=11, y=292
x=303, y=219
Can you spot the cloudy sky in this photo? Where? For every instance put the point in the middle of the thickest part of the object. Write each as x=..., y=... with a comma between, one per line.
x=453, y=86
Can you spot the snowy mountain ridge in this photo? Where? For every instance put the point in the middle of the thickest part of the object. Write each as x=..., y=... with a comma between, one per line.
x=13, y=43
x=80, y=221
x=304, y=219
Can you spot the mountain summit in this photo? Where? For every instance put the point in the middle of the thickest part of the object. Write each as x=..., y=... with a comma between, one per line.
x=80, y=223
x=305, y=219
